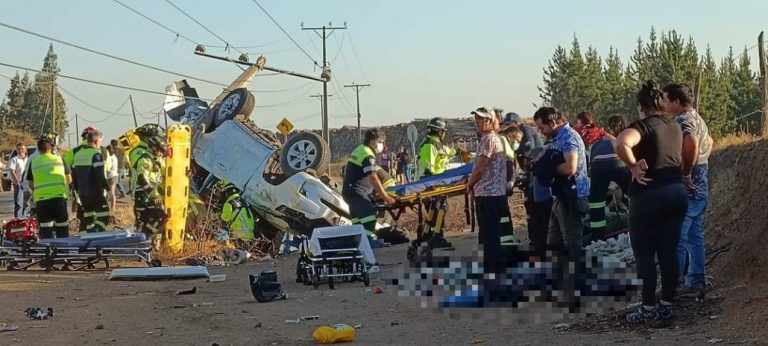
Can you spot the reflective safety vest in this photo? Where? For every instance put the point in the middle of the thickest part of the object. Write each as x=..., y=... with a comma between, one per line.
x=433, y=156
x=149, y=168
x=69, y=156
x=239, y=218
x=360, y=153
x=386, y=179
x=49, y=177
x=136, y=154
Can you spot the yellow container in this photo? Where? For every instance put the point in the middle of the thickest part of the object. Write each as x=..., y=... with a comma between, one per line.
x=332, y=335
x=129, y=140
x=177, y=186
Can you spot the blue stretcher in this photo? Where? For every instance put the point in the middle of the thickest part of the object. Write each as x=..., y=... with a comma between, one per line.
x=415, y=195
x=445, y=179
x=77, y=252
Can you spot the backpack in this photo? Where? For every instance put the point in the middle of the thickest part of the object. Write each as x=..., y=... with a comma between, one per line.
x=265, y=287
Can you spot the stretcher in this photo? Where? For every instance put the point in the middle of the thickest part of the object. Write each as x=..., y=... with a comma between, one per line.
x=415, y=195
x=77, y=252
x=335, y=253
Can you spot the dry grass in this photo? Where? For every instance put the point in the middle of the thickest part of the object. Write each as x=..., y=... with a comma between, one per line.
x=735, y=140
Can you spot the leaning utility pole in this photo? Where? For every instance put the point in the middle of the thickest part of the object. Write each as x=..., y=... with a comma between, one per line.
x=133, y=110
x=763, y=84
x=357, y=93
x=324, y=33
x=77, y=125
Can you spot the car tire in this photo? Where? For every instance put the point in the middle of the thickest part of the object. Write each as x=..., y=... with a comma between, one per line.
x=305, y=150
x=238, y=101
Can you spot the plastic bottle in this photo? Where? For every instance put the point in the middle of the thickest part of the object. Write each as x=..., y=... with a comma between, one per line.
x=337, y=333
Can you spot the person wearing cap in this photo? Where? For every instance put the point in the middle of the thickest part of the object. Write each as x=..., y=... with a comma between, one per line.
x=48, y=177
x=488, y=185
x=90, y=183
x=147, y=186
x=144, y=132
x=530, y=138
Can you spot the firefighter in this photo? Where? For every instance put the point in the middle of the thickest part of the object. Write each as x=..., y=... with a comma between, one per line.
x=237, y=216
x=90, y=183
x=49, y=176
x=69, y=161
x=147, y=186
x=360, y=181
x=145, y=132
x=434, y=157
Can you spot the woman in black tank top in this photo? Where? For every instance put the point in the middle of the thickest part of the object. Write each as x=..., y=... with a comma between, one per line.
x=651, y=147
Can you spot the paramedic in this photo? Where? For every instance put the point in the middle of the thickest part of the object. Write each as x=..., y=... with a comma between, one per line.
x=434, y=156
x=147, y=187
x=237, y=216
x=90, y=183
x=49, y=177
x=69, y=161
x=360, y=182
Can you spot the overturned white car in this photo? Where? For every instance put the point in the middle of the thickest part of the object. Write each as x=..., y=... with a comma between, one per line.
x=278, y=181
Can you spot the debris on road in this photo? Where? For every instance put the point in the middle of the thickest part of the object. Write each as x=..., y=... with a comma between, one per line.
x=217, y=278
x=99, y=326
x=36, y=313
x=192, y=290
x=332, y=335
x=714, y=340
x=4, y=327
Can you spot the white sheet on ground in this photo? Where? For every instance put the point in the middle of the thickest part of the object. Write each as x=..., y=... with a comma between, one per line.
x=341, y=231
x=160, y=273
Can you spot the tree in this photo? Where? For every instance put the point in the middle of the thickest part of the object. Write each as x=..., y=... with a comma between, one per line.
x=714, y=98
x=617, y=88
x=746, y=97
x=39, y=105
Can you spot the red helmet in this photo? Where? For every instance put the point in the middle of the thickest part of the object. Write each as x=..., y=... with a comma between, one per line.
x=86, y=131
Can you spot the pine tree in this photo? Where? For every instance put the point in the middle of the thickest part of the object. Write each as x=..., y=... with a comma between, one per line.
x=38, y=106
x=615, y=101
x=745, y=94
x=553, y=92
x=714, y=98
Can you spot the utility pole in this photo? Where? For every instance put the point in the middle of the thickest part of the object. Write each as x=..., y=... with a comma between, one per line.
x=322, y=108
x=133, y=110
x=53, y=106
x=763, y=84
x=357, y=93
x=77, y=125
x=324, y=32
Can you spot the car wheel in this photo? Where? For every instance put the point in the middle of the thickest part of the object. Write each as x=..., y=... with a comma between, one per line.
x=238, y=101
x=305, y=150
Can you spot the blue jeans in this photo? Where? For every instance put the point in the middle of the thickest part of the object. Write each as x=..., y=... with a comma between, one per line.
x=408, y=172
x=19, y=207
x=690, y=249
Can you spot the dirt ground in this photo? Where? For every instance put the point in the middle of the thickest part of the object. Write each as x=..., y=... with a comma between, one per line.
x=90, y=310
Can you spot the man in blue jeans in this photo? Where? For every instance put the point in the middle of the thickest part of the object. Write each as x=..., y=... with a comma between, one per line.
x=16, y=167
x=697, y=145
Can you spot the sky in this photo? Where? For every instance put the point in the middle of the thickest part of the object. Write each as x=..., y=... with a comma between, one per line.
x=422, y=58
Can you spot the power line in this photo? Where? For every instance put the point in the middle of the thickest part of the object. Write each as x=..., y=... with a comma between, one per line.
x=280, y=51
x=285, y=32
x=108, y=55
x=204, y=27
x=101, y=83
x=111, y=115
x=92, y=106
x=178, y=35
x=287, y=102
x=352, y=43
x=283, y=90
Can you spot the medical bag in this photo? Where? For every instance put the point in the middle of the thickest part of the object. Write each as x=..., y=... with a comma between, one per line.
x=21, y=229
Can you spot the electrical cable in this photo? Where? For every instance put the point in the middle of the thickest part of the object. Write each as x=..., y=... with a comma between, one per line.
x=285, y=32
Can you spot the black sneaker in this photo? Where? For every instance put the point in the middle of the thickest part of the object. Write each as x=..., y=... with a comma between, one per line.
x=642, y=315
x=439, y=242
x=664, y=312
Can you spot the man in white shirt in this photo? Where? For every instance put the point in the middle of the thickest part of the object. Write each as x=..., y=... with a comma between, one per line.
x=17, y=165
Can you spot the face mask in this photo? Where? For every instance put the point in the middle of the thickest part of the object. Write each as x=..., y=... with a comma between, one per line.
x=379, y=147
x=515, y=146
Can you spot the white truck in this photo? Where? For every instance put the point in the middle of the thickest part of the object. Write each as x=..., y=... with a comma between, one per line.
x=279, y=181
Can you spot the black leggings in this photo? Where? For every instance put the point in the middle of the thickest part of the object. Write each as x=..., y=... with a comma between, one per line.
x=655, y=220
x=601, y=174
x=493, y=221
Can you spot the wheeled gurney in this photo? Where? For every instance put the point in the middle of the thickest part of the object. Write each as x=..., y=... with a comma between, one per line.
x=415, y=195
x=341, y=252
x=76, y=252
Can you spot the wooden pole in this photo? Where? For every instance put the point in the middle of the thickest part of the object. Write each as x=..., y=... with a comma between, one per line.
x=763, y=84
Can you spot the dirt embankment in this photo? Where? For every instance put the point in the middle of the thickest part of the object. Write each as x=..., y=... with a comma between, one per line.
x=736, y=224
